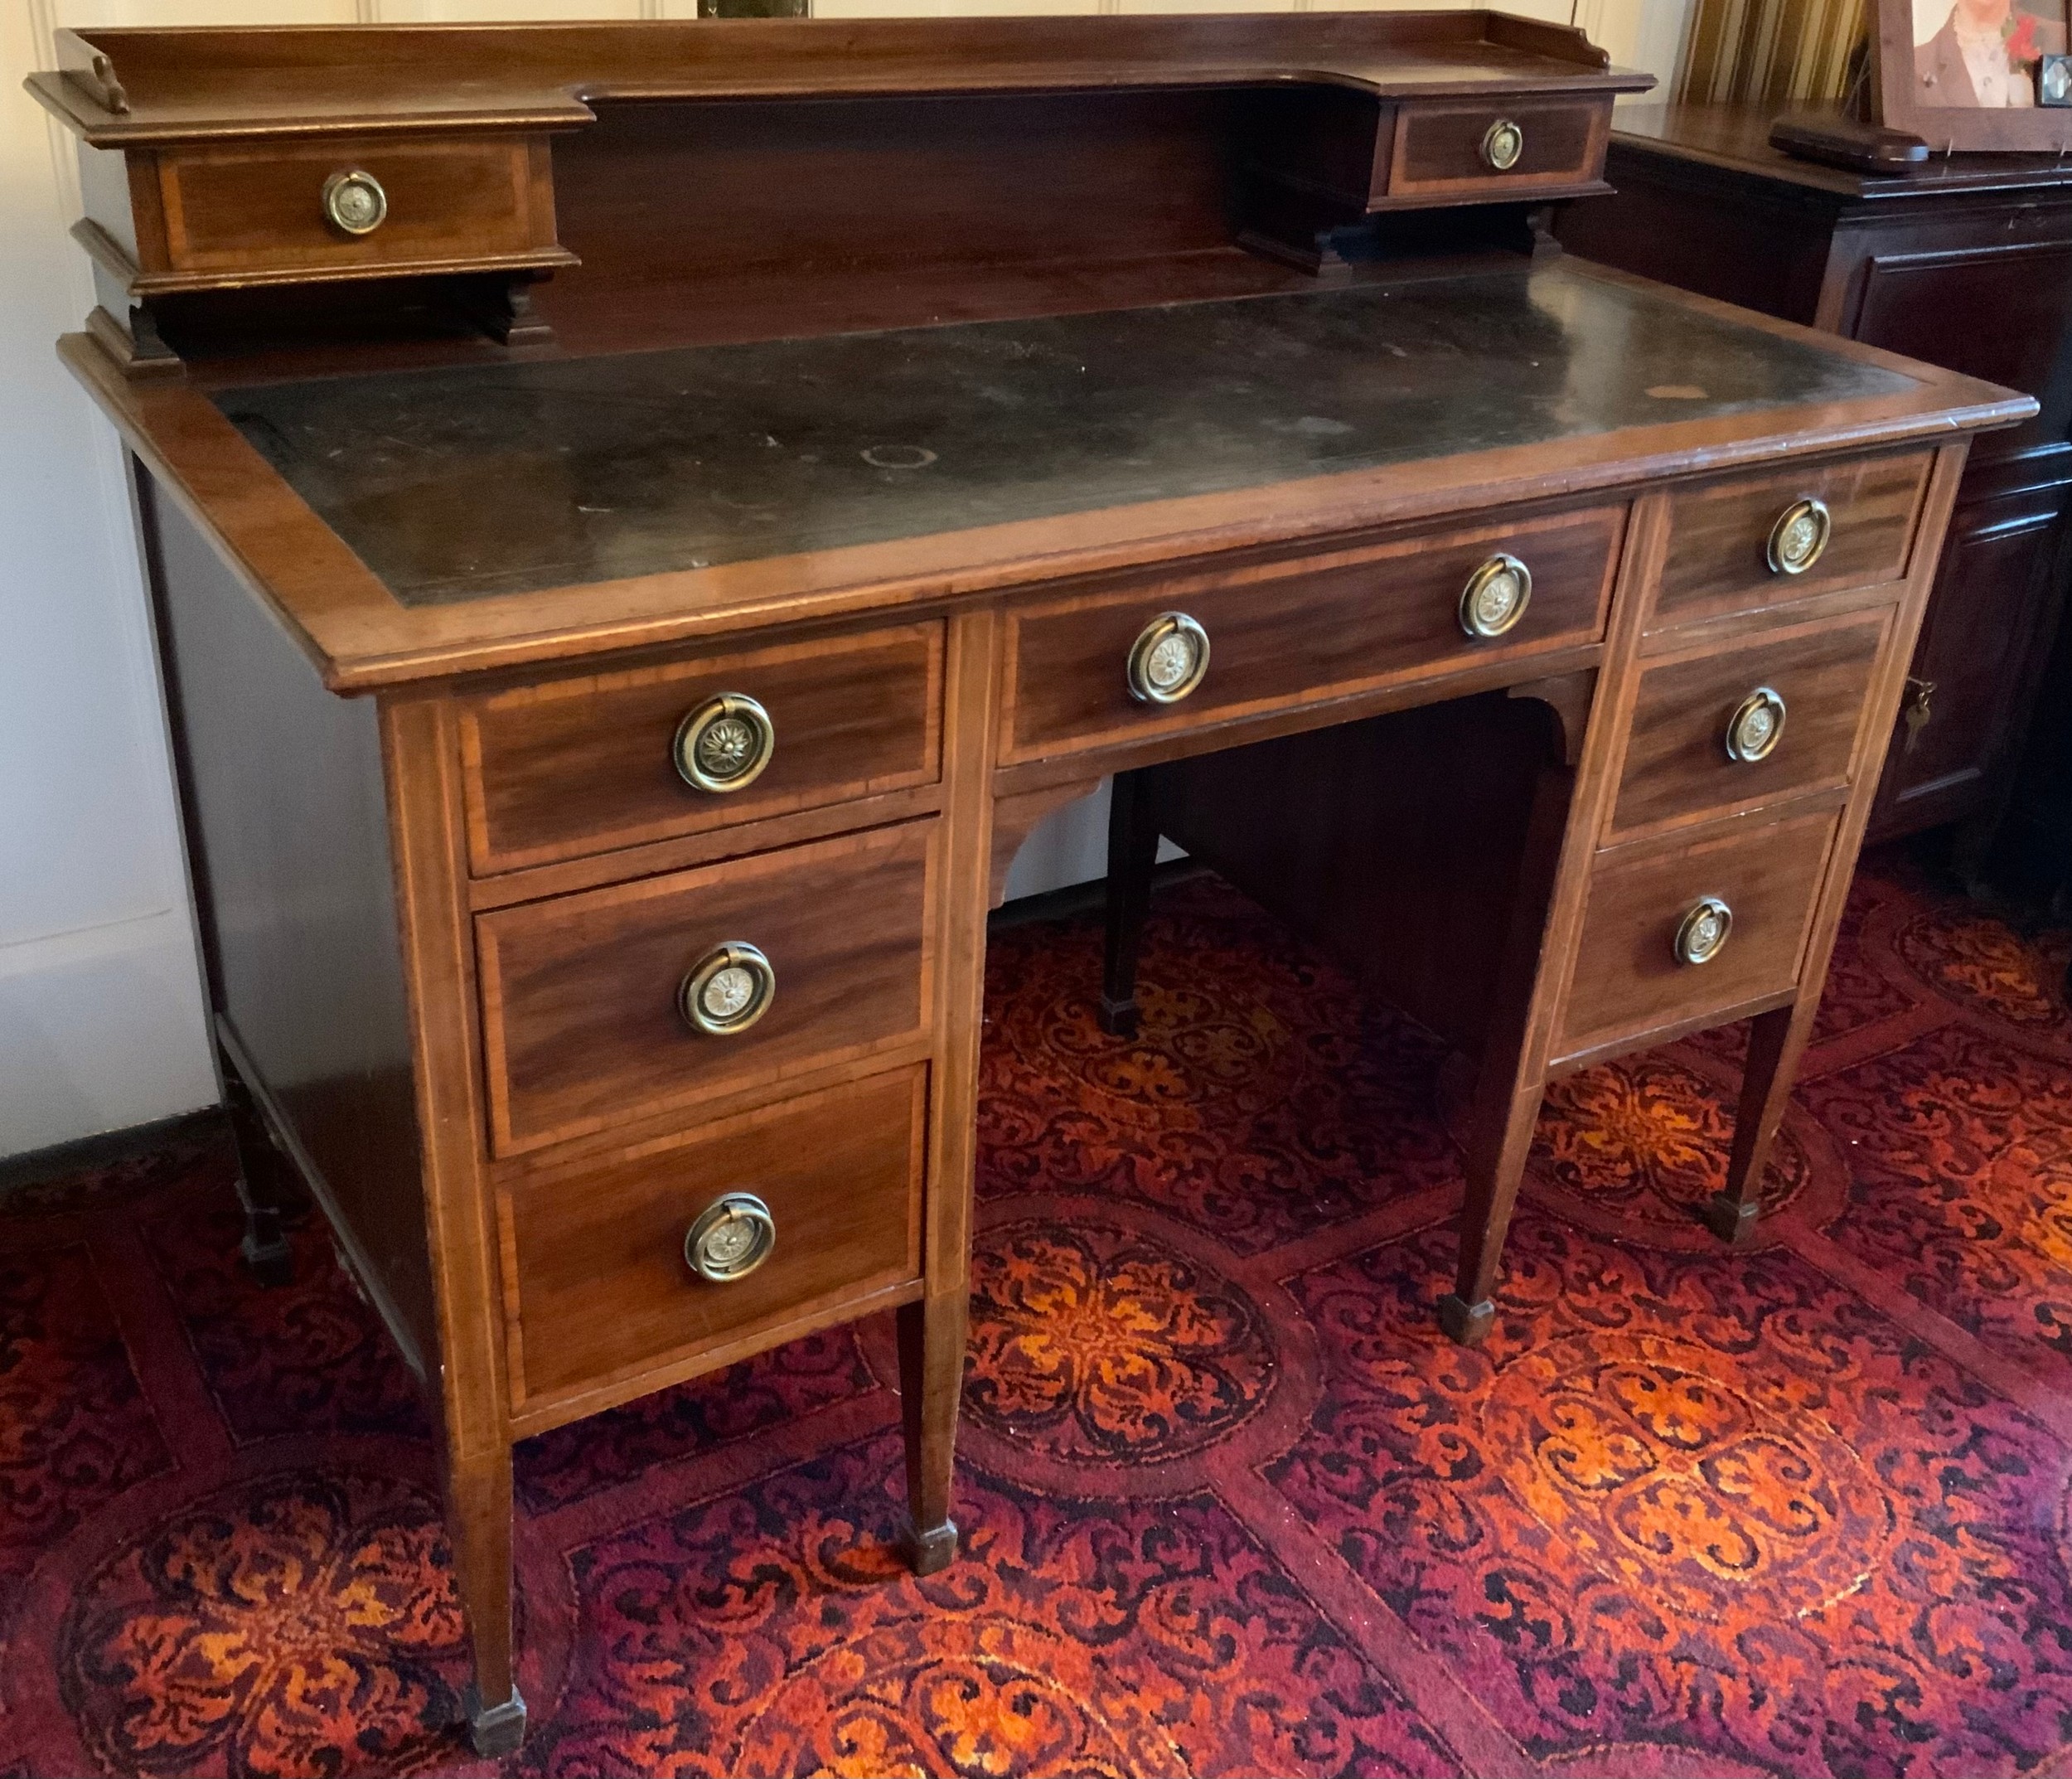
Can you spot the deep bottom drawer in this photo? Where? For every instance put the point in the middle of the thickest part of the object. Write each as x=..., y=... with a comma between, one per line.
x=606, y=1290
x=1629, y=980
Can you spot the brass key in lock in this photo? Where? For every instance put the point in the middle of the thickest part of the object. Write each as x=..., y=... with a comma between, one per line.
x=1915, y=713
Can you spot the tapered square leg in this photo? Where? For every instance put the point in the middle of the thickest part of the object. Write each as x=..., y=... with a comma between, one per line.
x=931, y=1376
x=1776, y=1040
x=1511, y=1079
x=495, y=1729
x=479, y=1517
x=1465, y=1324
x=261, y=1185
x=1133, y=852
x=1496, y=1165
x=1729, y=1219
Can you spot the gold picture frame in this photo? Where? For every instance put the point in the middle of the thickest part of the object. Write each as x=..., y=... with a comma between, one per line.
x=1924, y=80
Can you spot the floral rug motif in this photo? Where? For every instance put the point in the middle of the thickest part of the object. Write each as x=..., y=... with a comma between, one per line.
x=1967, y=957
x=1961, y=1152
x=775, y=1631
x=1230, y=1503
x=1712, y=1503
x=1105, y=1344
x=1635, y=1147
x=259, y=1630
x=1262, y=1100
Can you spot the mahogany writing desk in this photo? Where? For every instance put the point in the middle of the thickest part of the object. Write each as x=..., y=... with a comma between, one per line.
x=1193, y=398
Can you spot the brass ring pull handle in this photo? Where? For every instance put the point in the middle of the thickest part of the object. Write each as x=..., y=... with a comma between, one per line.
x=1701, y=933
x=1756, y=726
x=1501, y=145
x=1169, y=659
x=355, y=203
x=728, y=990
x=733, y=1236
x=1496, y=597
x=724, y=744
x=1799, y=536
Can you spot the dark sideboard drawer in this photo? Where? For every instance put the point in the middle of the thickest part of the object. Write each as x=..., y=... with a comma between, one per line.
x=1720, y=558
x=1300, y=632
x=264, y=210
x=605, y=1282
x=589, y=1001
x=591, y=763
x=1736, y=727
x=1444, y=153
x=1629, y=979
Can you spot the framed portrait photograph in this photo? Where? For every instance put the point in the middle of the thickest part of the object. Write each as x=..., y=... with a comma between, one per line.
x=1969, y=75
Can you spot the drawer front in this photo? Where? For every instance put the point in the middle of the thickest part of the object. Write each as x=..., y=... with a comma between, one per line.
x=261, y=208
x=1629, y=981
x=1446, y=152
x=582, y=1023
x=1679, y=763
x=1718, y=560
x=589, y=764
x=605, y=1290
x=1291, y=633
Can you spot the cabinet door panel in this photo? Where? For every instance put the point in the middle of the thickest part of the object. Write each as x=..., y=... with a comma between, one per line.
x=2000, y=313
x=1976, y=652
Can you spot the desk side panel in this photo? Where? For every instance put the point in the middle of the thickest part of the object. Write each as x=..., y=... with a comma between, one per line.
x=287, y=836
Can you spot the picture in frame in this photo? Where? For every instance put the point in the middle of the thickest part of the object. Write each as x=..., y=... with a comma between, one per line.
x=1971, y=75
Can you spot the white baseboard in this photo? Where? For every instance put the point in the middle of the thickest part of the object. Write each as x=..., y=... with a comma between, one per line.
x=104, y=1029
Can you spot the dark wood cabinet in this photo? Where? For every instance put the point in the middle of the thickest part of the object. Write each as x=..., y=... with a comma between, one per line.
x=1967, y=263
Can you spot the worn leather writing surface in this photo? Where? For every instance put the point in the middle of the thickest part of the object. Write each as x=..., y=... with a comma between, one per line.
x=457, y=483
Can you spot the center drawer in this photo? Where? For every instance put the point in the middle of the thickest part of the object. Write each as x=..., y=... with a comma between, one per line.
x=607, y=1261
x=1300, y=632
x=794, y=960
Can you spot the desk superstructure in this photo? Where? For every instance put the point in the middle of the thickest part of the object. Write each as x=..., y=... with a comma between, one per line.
x=607, y=707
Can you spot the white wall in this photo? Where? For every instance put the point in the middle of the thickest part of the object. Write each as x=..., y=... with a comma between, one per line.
x=101, y=1017
x=100, y=1012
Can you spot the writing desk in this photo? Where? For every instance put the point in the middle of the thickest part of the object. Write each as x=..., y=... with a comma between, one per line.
x=608, y=958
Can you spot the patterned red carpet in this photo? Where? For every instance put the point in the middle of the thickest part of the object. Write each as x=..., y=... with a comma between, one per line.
x=1231, y=1506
